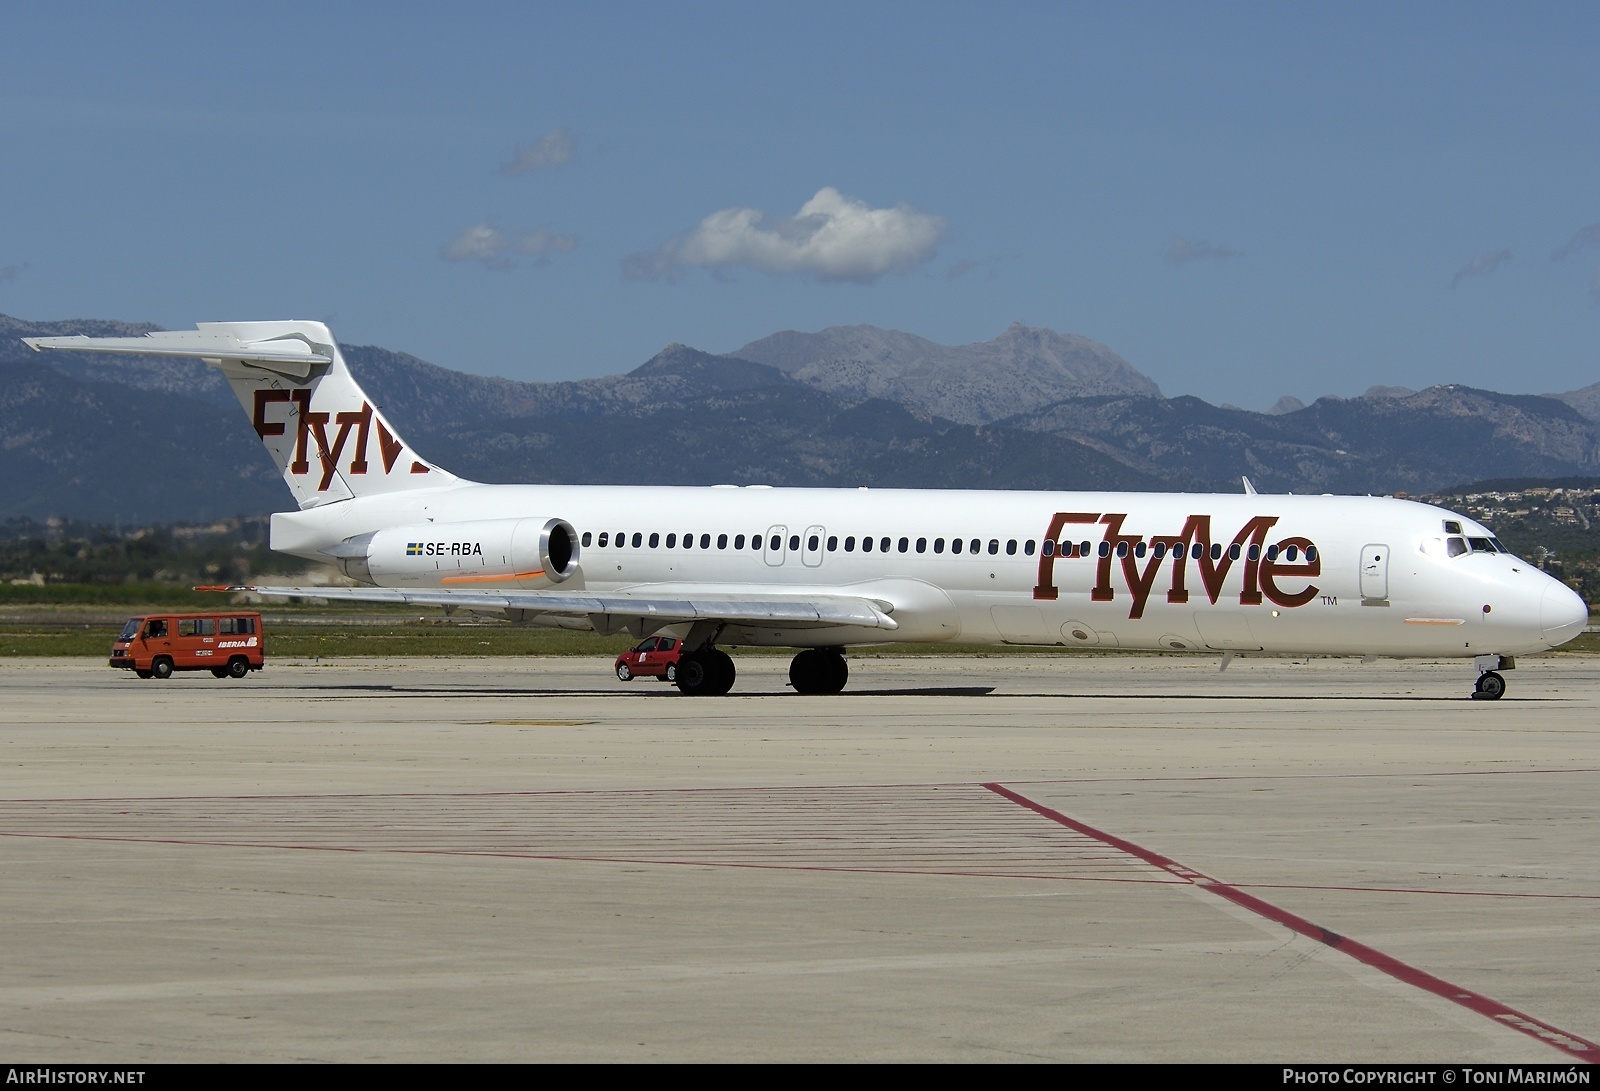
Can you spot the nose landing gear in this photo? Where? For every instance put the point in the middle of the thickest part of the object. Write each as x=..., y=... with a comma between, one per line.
x=1491, y=685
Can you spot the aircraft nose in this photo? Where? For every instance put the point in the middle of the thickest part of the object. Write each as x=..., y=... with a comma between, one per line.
x=1562, y=614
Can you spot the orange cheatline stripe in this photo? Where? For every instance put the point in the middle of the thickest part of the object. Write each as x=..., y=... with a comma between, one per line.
x=494, y=579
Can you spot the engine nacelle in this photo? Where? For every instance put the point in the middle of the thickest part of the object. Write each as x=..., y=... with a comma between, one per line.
x=484, y=553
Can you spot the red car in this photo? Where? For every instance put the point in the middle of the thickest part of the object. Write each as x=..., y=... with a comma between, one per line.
x=656, y=656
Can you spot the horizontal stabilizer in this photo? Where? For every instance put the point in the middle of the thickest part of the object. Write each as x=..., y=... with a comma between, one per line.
x=292, y=355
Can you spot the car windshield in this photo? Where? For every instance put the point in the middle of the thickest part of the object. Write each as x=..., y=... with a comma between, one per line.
x=131, y=629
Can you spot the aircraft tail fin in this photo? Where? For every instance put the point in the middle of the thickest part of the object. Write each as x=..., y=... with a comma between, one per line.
x=327, y=438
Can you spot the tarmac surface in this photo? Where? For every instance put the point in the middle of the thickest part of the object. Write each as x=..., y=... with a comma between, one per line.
x=1057, y=858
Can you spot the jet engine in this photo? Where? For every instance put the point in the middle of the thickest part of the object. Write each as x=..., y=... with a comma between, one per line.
x=482, y=553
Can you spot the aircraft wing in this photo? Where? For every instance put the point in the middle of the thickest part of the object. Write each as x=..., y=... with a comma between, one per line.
x=619, y=607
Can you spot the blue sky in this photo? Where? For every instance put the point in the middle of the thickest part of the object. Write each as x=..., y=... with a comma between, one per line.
x=1243, y=200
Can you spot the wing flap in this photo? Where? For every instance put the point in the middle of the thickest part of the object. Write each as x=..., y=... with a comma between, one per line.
x=813, y=610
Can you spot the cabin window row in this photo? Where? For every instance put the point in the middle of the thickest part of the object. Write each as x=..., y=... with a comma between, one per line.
x=972, y=546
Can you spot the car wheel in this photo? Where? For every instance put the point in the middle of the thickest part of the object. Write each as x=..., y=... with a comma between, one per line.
x=161, y=667
x=143, y=674
x=238, y=666
x=671, y=674
x=219, y=672
x=623, y=673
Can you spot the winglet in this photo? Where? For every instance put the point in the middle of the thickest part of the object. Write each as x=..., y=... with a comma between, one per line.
x=1249, y=489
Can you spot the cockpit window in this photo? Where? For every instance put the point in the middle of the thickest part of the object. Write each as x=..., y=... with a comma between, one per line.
x=1452, y=527
x=1455, y=547
x=1481, y=545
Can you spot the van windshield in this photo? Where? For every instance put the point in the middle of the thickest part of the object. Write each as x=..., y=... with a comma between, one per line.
x=131, y=629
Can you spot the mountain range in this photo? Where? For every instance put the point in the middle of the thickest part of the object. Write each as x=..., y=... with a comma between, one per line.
x=130, y=439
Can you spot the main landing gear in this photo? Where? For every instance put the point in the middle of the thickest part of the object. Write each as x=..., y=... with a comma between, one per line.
x=705, y=672
x=818, y=670
x=1491, y=685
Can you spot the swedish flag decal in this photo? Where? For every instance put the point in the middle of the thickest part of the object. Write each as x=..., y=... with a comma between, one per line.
x=413, y=549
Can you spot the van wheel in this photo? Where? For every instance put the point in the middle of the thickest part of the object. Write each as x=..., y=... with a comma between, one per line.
x=143, y=674
x=219, y=672
x=238, y=666
x=161, y=667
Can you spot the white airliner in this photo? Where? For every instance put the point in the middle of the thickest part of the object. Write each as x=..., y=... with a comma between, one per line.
x=824, y=569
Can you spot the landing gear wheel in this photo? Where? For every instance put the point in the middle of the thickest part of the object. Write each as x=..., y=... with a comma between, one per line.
x=705, y=673
x=162, y=667
x=623, y=673
x=1490, y=687
x=818, y=670
x=238, y=666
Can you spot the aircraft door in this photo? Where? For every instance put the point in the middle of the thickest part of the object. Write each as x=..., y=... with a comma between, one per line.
x=811, y=546
x=775, y=547
x=1375, y=572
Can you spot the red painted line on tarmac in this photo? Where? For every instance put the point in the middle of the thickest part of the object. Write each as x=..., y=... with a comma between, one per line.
x=1571, y=1044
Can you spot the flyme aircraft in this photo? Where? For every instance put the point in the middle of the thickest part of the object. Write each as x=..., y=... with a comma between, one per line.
x=821, y=570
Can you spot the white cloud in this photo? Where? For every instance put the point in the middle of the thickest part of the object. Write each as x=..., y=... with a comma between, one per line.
x=495, y=248
x=832, y=237
x=553, y=149
x=1483, y=263
x=1183, y=249
x=1586, y=237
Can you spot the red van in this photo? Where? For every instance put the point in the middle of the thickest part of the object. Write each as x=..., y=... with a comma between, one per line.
x=155, y=645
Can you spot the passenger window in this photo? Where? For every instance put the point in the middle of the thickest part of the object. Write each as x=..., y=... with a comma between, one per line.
x=738, y=541
x=586, y=536
x=1122, y=549
x=1027, y=547
x=705, y=541
x=1049, y=549
x=1255, y=551
x=938, y=545
x=672, y=541
x=1292, y=553
x=866, y=545
x=883, y=545
x=922, y=545
x=688, y=541
x=955, y=545
x=794, y=541
x=205, y=626
x=1138, y=549
x=850, y=544
x=1083, y=549
x=1197, y=550
x=244, y=624
x=156, y=628
x=1011, y=547
x=1233, y=552
x=812, y=542
x=994, y=545
x=722, y=541
x=186, y=626
x=1216, y=551
x=638, y=539
x=655, y=540
x=1311, y=553
x=833, y=543
x=776, y=543
x=1105, y=549
x=905, y=544
x=974, y=546
x=1160, y=550
x=1272, y=553
x=604, y=537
